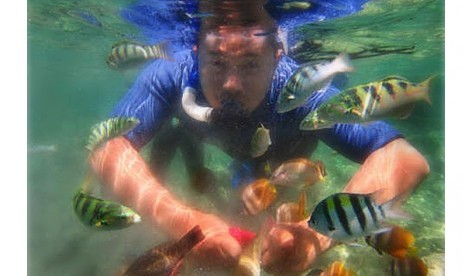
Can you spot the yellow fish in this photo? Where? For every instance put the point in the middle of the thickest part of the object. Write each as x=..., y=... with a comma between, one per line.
x=258, y=195
x=298, y=172
x=293, y=211
x=391, y=97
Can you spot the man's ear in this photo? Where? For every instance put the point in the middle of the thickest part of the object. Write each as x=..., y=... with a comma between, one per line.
x=195, y=48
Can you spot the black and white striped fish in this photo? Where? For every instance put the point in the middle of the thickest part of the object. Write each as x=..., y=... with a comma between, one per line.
x=103, y=214
x=126, y=54
x=345, y=216
x=110, y=128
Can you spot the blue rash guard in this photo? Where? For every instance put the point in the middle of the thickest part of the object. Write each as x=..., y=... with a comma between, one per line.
x=155, y=97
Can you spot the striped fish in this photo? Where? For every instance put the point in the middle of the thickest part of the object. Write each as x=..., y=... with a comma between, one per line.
x=260, y=141
x=110, y=128
x=345, y=216
x=102, y=214
x=308, y=79
x=391, y=97
x=126, y=54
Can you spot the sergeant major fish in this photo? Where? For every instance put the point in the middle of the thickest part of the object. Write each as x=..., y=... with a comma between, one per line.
x=126, y=54
x=346, y=216
x=308, y=79
x=392, y=96
x=108, y=129
x=260, y=141
x=166, y=258
x=103, y=214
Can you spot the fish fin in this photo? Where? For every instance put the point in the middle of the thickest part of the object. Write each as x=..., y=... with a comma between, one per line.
x=176, y=268
x=303, y=205
x=126, y=41
x=405, y=111
x=427, y=84
x=354, y=244
x=342, y=62
x=324, y=86
x=383, y=229
x=393, y=210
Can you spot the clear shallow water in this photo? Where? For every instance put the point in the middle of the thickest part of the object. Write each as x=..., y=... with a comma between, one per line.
x=70, y=88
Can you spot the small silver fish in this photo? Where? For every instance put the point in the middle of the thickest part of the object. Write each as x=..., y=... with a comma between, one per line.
x=260, y=141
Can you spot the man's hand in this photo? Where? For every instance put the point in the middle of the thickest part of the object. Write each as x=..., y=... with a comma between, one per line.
x=219, y=248
x=290, y=249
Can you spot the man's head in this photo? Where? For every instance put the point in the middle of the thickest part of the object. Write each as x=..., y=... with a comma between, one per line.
x=238, y=54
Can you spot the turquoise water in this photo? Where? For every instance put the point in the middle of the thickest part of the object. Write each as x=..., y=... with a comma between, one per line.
x=70, y=88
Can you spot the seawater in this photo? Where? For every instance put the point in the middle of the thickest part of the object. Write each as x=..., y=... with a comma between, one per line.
x=70, y=88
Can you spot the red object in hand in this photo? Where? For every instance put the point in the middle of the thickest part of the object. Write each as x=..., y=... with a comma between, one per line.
x=243, y=237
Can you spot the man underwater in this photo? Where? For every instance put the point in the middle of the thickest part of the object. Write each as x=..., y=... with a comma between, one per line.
x=239, y=69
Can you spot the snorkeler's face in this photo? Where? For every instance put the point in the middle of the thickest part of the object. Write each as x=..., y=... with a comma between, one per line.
x=237, y=64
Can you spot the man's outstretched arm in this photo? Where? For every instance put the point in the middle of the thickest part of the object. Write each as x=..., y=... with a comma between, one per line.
x=124, y=172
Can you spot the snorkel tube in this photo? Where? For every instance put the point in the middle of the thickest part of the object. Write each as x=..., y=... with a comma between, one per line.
x=195, y=111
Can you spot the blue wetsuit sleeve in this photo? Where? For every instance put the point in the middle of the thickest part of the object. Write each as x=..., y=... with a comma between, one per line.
x=150, y=99
x=354, y=141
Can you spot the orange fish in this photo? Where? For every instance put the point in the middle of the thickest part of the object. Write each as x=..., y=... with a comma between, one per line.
x=166, y=258
x=337, y=268
x=299, y=172
x=293, y=211
x=408, y=266
x=397, y=242
x=258, y=195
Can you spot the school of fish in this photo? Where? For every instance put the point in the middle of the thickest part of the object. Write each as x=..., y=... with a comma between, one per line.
x=343, y=217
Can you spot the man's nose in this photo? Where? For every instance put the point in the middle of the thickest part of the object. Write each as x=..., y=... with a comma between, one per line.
x=233, y=83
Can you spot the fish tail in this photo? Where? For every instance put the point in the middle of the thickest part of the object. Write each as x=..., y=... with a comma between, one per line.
x=343, y=64
x=393, y=210
x=188, y=241
x=161, y=50
x=303, y=204
x=427, y=86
